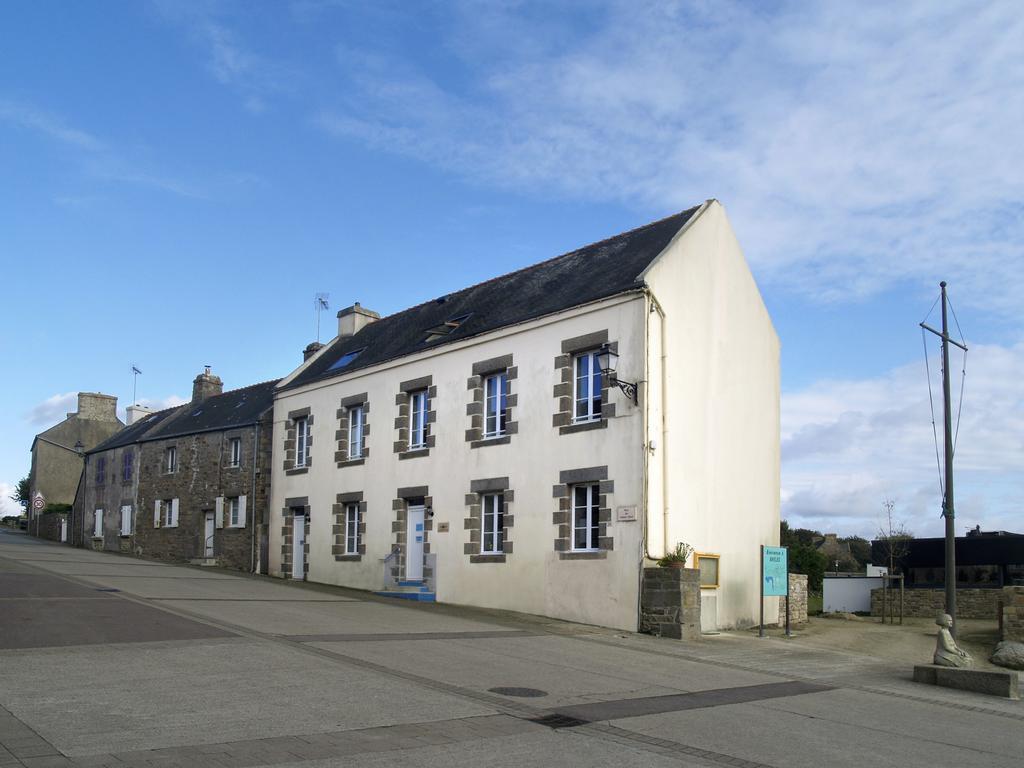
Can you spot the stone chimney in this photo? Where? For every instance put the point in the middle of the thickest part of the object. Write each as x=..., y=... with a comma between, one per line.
x=134, y=413
x=97, y=406
x=206, y=385
x=311, y=349
x=353, y=319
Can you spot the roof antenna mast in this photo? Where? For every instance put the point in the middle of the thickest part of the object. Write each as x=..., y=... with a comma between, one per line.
x=319, y=305
x=135, y=384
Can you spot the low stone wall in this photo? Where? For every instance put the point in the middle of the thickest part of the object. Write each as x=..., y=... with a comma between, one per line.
x=670, y=603
x=1011, y=622
x=798, y=601
x=928, y=603
x=49, y=525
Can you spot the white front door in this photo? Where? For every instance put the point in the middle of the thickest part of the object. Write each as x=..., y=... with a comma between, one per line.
x=208, y=532
x=298, y=546
x=414, y=545
x=63, y=529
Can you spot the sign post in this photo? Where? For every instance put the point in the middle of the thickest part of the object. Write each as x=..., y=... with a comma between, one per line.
x=774, y=579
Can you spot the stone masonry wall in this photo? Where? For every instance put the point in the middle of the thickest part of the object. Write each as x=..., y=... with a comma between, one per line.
x=798, y=601
x=670, y=603
x=1012, y=619
x=927, y=603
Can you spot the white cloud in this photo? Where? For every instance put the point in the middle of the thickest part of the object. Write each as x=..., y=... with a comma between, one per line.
x=35, y=119
x=7, y=505
x=53, y=409
x=847, y=445
x=855, y=145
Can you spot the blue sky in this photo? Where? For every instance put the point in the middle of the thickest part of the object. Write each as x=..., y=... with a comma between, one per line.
x=179, y=180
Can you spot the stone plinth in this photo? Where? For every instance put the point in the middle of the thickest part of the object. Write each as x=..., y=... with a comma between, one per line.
x=1011, y=620
x=926, y=603
x=670, y=603
x=1005, y=684
x=798, y=601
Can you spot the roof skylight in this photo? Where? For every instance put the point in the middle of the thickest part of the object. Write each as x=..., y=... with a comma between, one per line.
x=345, y=359
x=446, y=328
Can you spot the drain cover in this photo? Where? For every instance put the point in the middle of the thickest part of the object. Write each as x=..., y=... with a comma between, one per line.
x=526, y=693
x=556, y=720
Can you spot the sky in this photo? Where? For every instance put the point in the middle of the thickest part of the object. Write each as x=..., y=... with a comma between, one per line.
x=179, y=179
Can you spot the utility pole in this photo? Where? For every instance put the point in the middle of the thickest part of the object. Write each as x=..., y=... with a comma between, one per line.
x=947, y=501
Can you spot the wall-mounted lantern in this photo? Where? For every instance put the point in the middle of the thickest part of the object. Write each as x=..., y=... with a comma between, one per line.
x=608, y=360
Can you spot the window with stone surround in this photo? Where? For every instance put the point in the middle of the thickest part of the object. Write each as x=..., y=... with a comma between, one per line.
x=581, y=394
x=489, y=520
x=235, y=447
x=416, y=415
x=349, y=527
x=490, y=408
x=171, y=459
x=583, y=518
x=353, y=429
x=298, y=422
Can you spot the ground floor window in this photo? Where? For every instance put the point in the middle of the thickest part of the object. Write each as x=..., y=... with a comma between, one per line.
x=352, y=529
x=492, y=508
x=708, y=567
x=126, y=521
x=586, y=527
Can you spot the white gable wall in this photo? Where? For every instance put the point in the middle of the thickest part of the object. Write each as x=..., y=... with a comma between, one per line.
x=721, y=444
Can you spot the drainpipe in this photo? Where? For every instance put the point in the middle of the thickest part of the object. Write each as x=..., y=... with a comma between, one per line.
x=255, y=461
x=656, y=307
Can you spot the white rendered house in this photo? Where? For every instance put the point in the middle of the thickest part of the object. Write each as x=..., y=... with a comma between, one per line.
x=471, y=449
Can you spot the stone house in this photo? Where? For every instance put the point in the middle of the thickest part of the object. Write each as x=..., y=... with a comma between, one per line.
x=57, y=455
x=198, y=485
x=532, y=442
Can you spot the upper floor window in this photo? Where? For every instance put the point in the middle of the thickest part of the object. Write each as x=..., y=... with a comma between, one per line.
x=355, y=431
x=235, y=446
x=171, y=459
x=586, y=387
x=493, y=510
x=585, y=524
x=127, y=465
x=101, y=470
x=301, y=441
x=352, y=529
x=418, y=419
x=495, y=404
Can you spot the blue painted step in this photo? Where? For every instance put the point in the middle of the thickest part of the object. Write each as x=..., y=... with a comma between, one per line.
x=413, y=583
x=421, y=595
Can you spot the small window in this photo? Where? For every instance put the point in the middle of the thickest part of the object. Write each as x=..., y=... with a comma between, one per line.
x=127, y=466
x=587, y=387
x=236, y=451
x=345, y=359
x=97, y=524
x=126, y=520
x=233, y=516
x=418, y=420
x=170, y=507
x=493, y=511
x=585, y=524
x=446, y=328
x=495, y=404
x=301, y=442
x=101, y=470
x=708, y=567
x=172, y=459
x=355, y=432
x=352, y=529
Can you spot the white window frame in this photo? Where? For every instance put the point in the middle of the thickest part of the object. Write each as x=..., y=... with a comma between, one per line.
x=492, y=512
x=170, y=510
x=302, y=441
x=592, y=377
x=495, y=404
x=97, y=524
x=352, y=528
x=591, y=511
x=355, y=431
x=171, y=459
x=417, y=420
x=233, y=509
x=126, y=520
x=236, y=452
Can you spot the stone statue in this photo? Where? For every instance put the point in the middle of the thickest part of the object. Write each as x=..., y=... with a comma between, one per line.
x=947, y=652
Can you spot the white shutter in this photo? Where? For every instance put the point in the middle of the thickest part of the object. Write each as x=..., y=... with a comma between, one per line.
x=241, y=511
x=157, y=513
x=174, y=512
x=218, y=514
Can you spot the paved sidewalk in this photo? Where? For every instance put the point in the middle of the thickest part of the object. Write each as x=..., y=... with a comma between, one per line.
x=109, y=660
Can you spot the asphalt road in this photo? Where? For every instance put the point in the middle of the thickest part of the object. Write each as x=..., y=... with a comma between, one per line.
x=110, y=660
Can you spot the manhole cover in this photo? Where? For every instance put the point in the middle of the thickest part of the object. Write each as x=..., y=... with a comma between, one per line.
x=526, y=693
x=556, y=720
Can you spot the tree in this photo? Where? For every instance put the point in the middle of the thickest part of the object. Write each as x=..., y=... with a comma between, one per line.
x=22, y=493
x=893, y=537
x=860, y=550
x=803, y=557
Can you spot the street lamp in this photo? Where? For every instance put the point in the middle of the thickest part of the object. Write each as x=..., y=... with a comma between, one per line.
x=608, y=360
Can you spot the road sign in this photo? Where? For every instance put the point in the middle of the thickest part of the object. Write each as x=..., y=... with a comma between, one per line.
x=38, y=502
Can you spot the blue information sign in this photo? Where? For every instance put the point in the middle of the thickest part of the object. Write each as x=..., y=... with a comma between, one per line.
x=774, y=572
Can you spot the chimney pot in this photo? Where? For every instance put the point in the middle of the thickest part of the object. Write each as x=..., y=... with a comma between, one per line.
x=311, y=349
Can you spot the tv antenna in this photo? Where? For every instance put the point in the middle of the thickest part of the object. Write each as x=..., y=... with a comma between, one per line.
x=135, y=384
x=319, y=305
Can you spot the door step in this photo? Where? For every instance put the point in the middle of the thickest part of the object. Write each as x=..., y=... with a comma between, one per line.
x=203, y=561
x=410, y=590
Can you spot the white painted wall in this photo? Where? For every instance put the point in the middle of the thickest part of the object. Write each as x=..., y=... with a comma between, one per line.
x=848, y=594
x=533, y=579
x=721, y=441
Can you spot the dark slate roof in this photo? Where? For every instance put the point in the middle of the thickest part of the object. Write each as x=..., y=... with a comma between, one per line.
x=596, y=271
x=235, y=408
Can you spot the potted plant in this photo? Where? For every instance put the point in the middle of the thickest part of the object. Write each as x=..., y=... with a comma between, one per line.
x=678, y=557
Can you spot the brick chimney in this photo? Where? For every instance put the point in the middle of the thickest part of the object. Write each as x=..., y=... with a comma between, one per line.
x=206, y=385
x=97, y=406
x=353, y=319
x=311, y=349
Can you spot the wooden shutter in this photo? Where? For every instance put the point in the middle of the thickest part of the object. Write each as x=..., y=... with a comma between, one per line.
x=241, y=511
x=218, y=514
x=157, y=513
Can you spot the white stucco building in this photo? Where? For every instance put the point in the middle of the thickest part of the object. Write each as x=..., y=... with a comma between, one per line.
x=470, y=449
